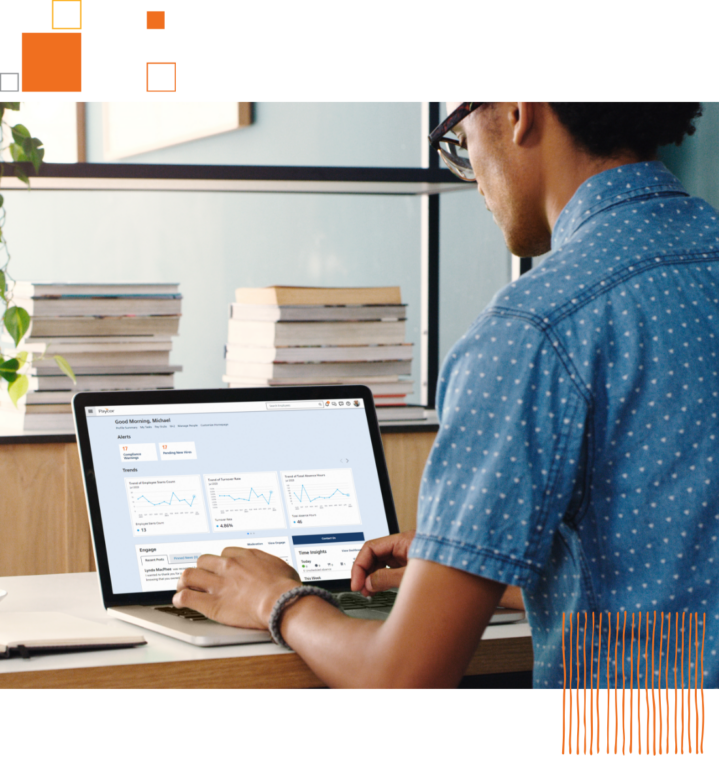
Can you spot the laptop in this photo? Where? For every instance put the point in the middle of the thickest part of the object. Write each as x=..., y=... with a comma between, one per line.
x=298, y=472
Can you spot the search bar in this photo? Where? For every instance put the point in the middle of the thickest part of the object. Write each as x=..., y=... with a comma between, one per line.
x=295, y=405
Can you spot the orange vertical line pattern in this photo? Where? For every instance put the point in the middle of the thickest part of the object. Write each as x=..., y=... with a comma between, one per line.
x=659, y=683
x=624, y=629
x=696, y=648
x=616, y=675
x=704, y=631
x=646, y=673
x=570, y=746
x=689, y=686
x=699, y=716
x=646, y=654
x=682, y=742
x=676, y=648
x=584, y=664
x=631, y=686
x=597, y=733
x=564, y=684
x=577, y=641
x=591, y=694
x=699, y=702
x=654, y=711
x=666, y=676
x=641, y=703
x=609, y=646
x=584, y=650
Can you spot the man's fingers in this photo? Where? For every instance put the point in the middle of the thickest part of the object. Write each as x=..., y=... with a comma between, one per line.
x=198, y=578
x=383, y=579
x=197, y=601
x=375, y=554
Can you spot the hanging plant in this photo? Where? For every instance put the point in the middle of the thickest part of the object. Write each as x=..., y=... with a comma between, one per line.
x=23, y=148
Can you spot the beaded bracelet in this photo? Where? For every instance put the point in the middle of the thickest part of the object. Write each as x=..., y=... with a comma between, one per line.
x=287, y=599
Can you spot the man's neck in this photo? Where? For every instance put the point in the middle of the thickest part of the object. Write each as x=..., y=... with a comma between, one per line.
x=566, y=176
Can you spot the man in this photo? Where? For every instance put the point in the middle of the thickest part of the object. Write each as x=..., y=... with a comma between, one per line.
x=577, y=453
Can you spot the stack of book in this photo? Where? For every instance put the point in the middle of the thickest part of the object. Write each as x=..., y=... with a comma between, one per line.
x=297, y=336
x=114, y=336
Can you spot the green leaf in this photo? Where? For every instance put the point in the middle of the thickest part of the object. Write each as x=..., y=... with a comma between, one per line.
x=21, y=357
x=64, y=366
x=17, y=321
x=3, y=283
x=8, y=369
x=36, y=158
x=13, y=105
x=17, y=389
x=21, y=174
x=17, y=153
x=2, y=201
x=19, y=132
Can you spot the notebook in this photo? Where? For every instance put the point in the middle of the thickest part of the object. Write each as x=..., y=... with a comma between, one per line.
x=24, y=634
x=298, y=472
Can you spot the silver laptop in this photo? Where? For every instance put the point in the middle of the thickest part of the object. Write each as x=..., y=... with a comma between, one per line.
x=298, y=472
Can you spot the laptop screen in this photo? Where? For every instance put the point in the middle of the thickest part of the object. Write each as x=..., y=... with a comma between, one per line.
x=296, y=478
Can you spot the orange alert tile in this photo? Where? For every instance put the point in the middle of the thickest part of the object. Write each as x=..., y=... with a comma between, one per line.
x=51, y=61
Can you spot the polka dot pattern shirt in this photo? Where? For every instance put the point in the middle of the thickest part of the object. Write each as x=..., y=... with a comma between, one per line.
x=578, y=450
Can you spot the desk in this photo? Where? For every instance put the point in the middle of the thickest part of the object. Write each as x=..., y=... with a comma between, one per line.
x=43, y=515
x=168, y=663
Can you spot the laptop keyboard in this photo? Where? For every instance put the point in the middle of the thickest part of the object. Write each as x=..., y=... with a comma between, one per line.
x=183, y=613
x=353, y=601
x=348, y=600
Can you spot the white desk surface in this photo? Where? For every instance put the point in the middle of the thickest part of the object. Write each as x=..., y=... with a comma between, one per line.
x=78, y=594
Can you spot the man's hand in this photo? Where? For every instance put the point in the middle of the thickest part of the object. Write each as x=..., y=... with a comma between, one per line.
x=369, y=572
x=239, y=588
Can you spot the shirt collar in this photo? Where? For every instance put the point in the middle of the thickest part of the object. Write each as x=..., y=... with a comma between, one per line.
x=608, y=188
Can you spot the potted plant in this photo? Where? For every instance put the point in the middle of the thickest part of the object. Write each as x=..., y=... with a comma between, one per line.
x=23, y=148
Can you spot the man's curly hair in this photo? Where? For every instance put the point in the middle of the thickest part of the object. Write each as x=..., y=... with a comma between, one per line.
x=608, y=129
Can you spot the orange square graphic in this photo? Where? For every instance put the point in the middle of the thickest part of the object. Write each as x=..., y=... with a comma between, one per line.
x=155, y=19
x=161, y=77
x=51, y=61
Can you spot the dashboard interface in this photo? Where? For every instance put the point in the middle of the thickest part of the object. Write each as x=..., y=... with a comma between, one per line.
x=296, y=479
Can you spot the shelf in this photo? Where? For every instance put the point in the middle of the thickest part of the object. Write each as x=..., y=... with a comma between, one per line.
x=236, y=178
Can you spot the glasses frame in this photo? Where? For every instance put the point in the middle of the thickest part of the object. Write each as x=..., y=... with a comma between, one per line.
x=438, y=135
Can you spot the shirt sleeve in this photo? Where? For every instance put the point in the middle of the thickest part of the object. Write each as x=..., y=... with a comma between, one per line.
x=506, y=467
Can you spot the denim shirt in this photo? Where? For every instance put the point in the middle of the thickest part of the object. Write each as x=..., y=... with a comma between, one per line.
x=578, y=449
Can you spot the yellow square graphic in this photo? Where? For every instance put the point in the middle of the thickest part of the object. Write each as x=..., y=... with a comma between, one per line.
x=67, y=14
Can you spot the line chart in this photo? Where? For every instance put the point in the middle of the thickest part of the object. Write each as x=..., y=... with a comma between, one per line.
x=166, y=505
x=266, y=498
x=244, y=501
x=303, y=493
x=169, y=502
x=320, y=497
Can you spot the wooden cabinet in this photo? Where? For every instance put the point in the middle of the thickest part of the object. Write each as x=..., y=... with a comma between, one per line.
x=43, y=517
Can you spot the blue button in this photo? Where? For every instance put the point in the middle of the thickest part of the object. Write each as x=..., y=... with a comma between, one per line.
x=328, y=538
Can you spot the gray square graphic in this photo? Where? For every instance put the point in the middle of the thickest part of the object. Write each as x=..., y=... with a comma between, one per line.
x=9, y=81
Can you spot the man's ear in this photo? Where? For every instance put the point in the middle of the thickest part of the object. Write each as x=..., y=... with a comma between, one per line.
x=523, y=118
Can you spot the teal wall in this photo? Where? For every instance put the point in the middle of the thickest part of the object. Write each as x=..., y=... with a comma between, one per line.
x=696, y=160
x=212, y=243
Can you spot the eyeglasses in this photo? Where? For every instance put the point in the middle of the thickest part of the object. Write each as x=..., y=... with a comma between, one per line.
x=450, y=149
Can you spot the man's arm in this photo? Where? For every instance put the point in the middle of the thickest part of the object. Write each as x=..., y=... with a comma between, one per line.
x=512, y=598
x=427, y=641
